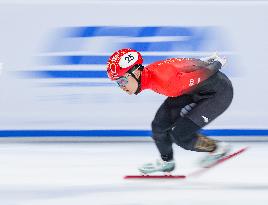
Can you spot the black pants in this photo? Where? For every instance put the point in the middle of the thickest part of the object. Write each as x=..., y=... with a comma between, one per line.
x=179, y=119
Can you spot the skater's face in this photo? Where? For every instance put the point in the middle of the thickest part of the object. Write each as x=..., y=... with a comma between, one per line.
x=130, y=84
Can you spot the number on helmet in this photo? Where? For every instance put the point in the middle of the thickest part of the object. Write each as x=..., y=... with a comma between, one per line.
x=128, y=59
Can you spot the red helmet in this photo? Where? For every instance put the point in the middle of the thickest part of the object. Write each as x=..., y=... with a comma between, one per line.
x=122, y=61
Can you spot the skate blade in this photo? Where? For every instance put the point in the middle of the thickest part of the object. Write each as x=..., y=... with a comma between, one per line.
x=224, y=159
x=155, y=177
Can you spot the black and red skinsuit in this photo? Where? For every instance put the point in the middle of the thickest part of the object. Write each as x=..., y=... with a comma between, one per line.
x=197, y=93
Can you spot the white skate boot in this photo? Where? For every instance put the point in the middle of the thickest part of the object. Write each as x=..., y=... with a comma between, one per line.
x=212, y=158
x=158, y=166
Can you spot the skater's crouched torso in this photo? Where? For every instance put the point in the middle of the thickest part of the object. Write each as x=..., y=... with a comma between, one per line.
x=174, y=77
x=189, y=83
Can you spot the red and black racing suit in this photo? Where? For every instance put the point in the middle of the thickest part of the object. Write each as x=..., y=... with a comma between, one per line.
x=197, y=93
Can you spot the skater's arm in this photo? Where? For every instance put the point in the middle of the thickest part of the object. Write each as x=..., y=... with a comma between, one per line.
x=214, y=66
x=214, y=62
x=199, y=64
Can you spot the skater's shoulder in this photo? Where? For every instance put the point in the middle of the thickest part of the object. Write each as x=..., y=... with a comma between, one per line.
x=160, y=65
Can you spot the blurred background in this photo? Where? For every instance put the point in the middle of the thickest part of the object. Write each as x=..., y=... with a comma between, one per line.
x=54, y=87
x=54, y=55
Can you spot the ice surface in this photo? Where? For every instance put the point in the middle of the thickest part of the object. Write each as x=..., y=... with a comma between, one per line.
x=92, y=173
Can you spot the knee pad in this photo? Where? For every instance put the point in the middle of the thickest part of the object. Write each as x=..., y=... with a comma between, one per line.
x=161, y=137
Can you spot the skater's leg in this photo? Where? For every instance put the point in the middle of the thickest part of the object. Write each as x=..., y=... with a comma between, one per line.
x=213, y=99
x=162, y=123
x=163, y=143
x=170, y=125
x=209, y=101
x=160, y=127
x=185, y=134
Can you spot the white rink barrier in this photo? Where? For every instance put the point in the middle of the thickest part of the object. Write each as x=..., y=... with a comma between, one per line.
x=54, y=84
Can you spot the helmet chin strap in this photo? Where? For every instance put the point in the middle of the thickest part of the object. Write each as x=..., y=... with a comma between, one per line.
x=139, y=83
x=139, y=67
